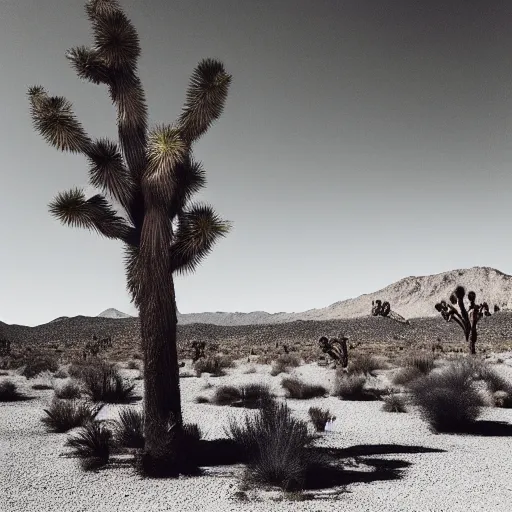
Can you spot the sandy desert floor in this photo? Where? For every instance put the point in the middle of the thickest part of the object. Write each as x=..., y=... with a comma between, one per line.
x=421, y=472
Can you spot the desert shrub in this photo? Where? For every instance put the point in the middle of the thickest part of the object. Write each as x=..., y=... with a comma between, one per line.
x=9, y=392
x=405, y=376
x=132, y=365
x=494, y=381
x=251, y=369
x=129, y=429
x=37, y=363
x=366, y=365
x=4, y=373
x=215, y=364
x=424, y=363
x=247, y=395
x=187, y=373
x=92, y=443
x=105, y=384
x=224, y=395
x=61, y=374
x=448, y=400
x=349, y=387
x=78, y=368
x=297, y=388
x=394, y=403
x=63, y=415
x=69, y=391
x=201, y=400
x=320, y=417
x=284, y=363
x=277, y=446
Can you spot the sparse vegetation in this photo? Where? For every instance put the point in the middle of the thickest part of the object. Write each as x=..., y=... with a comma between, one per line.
x=299, y=389
x=364, y=364
x=350, y=387
x=60, y=374
x=9, y=392
x=424, y=363
x=284, y=363
x=320, y=418
x=448, y=400
x=132, y=365
x=105, y=384
x=41, y=386
x=394, y=403
x=38, y=363
x=69, y=391
x=277, y=446
x=63, y=415
x=92, y=443
x=405, y=376
x=247, y=395
x=129, y=429
x=215, y=364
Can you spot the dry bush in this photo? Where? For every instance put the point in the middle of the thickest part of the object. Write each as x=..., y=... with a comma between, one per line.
x=247, y=395
x=106, y=384
x=215, y=365
x=320, y=417
x=129, y=429
x=61, y=374
x=68, y=391
x=41, y=386
x=276, y=445
x=63, y=415
x=9, y=392
x=284, y=363
x=405, y=376
x=299, y=389
x=350, y=387
x=34, y=364
x=394, y=403
x=424, y=363
x=366, y=365
x=448, y=400
x=92, y=443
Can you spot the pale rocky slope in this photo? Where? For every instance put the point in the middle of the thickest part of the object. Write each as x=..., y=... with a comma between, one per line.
x=411, y=297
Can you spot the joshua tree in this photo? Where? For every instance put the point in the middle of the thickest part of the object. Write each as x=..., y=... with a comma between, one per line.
x=383, y=309
x=152, y=175
x=198, y=347
x=336, y=349
x=466, y=318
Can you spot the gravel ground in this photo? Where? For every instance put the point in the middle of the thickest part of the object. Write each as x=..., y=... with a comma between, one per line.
x=467, y=473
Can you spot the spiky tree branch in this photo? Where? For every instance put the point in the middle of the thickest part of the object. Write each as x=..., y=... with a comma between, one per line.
x=198, y=230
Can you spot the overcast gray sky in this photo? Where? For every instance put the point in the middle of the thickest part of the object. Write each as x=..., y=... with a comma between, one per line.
x=362, y=142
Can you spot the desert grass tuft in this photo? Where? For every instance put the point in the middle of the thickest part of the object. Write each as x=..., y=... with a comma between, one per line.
x=9, y=392
x=320, y=418
x=299, y=389
x=129, y=429
x=106, y=384
x=93, y=444
x=394, y=403
x=63, y=415
x=69, y=391
x=215, y=364
x=284, y=363
x=448, y=400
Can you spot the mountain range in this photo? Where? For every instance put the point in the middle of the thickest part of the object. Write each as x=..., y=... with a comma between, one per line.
x=411, y=297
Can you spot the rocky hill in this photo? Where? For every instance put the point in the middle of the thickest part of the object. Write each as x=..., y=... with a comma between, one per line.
x=411, y=297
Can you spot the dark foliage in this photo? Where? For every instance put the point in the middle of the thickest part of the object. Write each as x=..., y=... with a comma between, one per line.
x=9, y=392
x=284, y=363
x=92, y=443
x=394, y=403
x=63, y=415
x=129, y=429
x=448, y=400
x=296, y=388
x=215, y=365
x=69, y=391
x=37, y=363
x=106, y=384
x=320, y=417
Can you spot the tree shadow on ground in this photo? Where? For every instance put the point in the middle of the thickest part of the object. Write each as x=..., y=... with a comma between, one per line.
x=331, y=467
x=491, y=429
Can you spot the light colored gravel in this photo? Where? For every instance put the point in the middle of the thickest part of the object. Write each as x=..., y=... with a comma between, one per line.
x=470, y=474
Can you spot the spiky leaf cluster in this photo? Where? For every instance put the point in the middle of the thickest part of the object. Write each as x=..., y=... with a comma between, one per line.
x=147, y=168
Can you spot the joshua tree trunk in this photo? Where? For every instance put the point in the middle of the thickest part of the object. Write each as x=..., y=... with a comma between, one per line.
x=472, y=340
x=158, y=318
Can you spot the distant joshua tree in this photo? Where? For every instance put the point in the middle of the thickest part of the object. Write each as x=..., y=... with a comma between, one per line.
x=198, y=347
x=383, y=309
x=467, y=318
x=152, y=175
x=336, y=349
x=496, y=308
